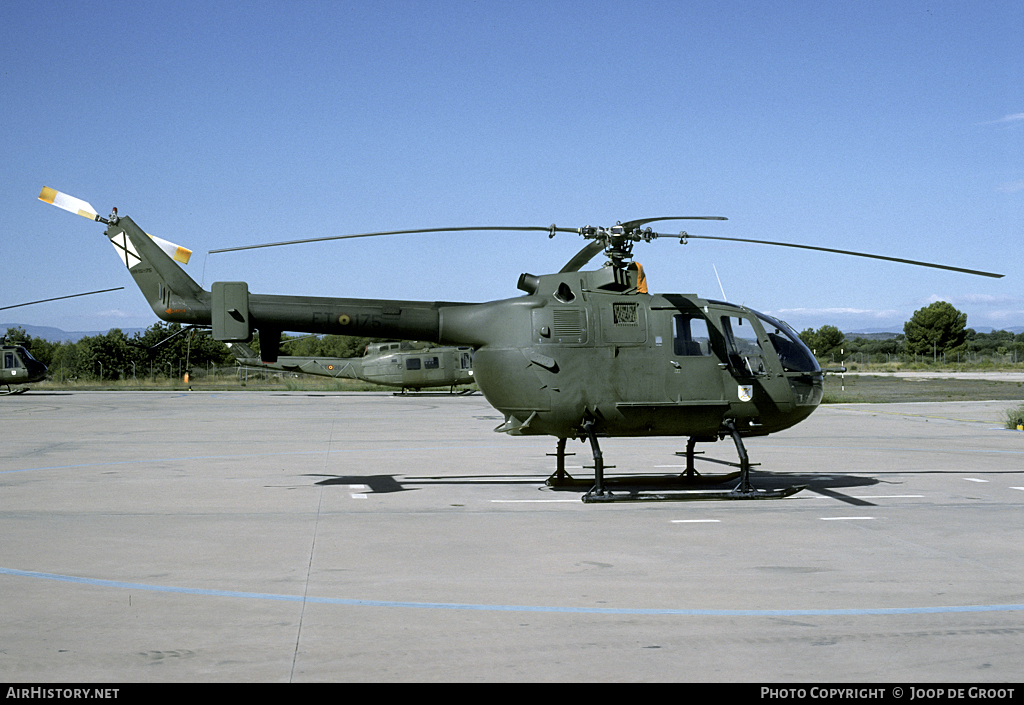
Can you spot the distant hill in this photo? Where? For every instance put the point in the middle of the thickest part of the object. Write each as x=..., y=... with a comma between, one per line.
x=871, y=335
x=56, y=335
x=876, y=334
x=1016, y=330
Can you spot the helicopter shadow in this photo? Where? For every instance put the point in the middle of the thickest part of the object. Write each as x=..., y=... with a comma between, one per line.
x=831, y=485
x=30, y=393
x=378, y=484
x=827, y=485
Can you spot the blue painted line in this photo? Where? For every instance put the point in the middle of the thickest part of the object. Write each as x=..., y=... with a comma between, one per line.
x=509, y=608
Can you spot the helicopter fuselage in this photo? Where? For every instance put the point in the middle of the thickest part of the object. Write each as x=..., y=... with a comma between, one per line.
x=576, y=346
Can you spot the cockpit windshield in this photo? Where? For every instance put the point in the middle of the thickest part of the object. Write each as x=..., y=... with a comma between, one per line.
x=793, y=354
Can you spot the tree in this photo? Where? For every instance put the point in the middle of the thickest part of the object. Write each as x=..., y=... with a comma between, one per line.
x=105, y=356
x=824, y=341
x=166, y=350
x=937, y=328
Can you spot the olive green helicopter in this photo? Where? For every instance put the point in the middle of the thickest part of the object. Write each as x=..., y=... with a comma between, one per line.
x=582, y=354
x=19, y=367
x=408, y=365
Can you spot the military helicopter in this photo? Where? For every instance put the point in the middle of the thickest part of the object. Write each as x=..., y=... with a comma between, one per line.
x=393, y=364
x=582, y=355
x=19, y=367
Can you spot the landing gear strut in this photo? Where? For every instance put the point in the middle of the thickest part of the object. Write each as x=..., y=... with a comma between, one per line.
x=560, y=478
x=669, y=488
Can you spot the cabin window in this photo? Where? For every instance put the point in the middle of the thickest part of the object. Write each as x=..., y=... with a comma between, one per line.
x=430, y=363
x=690, y=336
x=412, y=363
x=9, y=361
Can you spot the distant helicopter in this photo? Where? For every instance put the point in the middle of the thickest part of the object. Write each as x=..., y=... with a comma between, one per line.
x=583, y=354
x=19, y=367
x=392, y=364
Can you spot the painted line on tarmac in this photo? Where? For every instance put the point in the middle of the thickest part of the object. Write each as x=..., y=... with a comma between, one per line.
x=998, y=424
x=511, y=608
x=242, y=456
x=533, y=501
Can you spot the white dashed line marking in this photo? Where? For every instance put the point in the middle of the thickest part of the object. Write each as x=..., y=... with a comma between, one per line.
x=532, y=501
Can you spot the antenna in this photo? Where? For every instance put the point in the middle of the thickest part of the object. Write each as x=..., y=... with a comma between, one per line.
x=724, y=297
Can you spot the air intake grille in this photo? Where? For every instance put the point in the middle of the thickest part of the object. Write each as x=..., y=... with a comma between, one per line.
x=567, y=323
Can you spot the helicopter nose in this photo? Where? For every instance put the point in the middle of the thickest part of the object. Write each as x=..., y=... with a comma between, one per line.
x=36, y=369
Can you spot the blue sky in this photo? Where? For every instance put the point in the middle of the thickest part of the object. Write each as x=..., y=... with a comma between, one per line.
x=894, y=128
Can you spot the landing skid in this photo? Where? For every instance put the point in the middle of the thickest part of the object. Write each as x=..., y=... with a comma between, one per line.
x=691, y=495
x=417, y=392
x=568, y=482
x=10, y=391
x=678, y=488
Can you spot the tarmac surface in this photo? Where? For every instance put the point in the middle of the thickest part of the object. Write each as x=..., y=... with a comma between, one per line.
x=294, y=537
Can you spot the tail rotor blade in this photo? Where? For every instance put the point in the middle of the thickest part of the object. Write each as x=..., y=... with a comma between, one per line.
x=68, y=203
x=84, y=209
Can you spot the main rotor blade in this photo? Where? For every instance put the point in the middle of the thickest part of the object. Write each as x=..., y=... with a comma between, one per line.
x=538, y=228
x=582, y=257
x=644, y=221
x=58, y=298
x=845, y=252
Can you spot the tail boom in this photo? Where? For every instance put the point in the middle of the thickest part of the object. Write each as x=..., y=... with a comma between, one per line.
x=234, y=313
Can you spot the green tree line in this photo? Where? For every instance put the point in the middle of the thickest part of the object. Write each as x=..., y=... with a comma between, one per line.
x=164, y=350
x=935, y=330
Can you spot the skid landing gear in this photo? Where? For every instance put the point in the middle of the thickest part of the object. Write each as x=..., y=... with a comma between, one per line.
x=666, y=488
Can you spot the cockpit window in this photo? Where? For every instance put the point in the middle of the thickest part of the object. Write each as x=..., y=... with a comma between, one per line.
x=793, y=354
x=744, y=350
